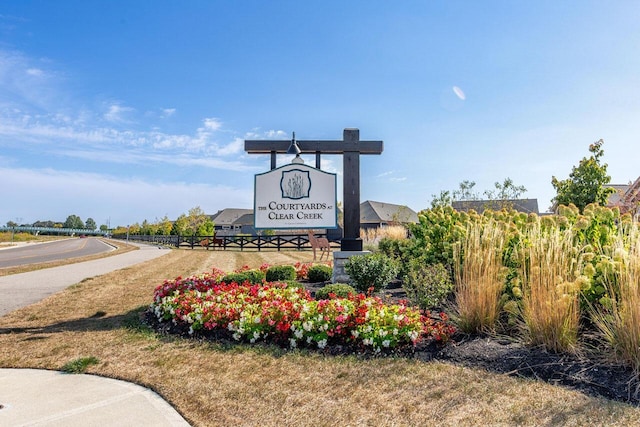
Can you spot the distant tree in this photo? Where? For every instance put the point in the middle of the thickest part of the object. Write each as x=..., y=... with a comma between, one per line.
x=505, y=191
x=48, y=224
x=73, y=221
x=104, y=227
x=586, y=182
x=179, y=227
x=465, y=191
x=207, y=228
x=12, y=224
x=195, y=220
x=90, y=224
x=147, y=229
x=441, y=200
x=164, y=226
x=134, y=228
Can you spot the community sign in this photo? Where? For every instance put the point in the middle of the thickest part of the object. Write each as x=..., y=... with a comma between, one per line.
x=295, y=196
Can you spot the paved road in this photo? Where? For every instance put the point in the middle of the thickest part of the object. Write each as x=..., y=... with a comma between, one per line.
x=19, y=290
x=52, y=251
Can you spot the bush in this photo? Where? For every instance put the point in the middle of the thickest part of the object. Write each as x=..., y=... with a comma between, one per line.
x=280, y=273
x=427, y=286
x=341, y=290
x=253, y=276
x=371, y=270
x=319, y=273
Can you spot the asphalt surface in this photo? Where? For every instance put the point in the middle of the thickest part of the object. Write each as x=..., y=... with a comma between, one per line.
x=56, y=250
x=33, y=397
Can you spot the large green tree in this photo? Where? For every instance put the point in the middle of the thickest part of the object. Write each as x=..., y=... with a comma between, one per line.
x=73, y=221
x=90, y=224
x=586, y=182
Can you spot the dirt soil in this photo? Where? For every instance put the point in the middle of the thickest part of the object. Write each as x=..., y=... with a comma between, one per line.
x=586, y=374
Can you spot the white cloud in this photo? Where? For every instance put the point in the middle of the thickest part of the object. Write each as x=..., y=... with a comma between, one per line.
x=236, y=146
x=116, y=113
x=212, y=124
x=168, y=112
x=36, y=72
x=276, y=134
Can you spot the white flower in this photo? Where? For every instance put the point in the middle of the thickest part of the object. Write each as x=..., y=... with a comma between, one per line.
x=367, y=341
x=236, y=336
x=293, y=343
x=298, y=334
x=257, y=319
x=382, y=332
x=386, y=343
x=190, y=330
x=355, y=333
x=395, y=331
x=256, y=335
x=307, y=326
x=322, y=343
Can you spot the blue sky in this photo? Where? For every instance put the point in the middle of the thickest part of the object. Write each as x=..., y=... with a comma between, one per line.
x=129, y=111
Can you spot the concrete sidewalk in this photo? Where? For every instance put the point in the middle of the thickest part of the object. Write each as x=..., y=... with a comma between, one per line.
x=35, y=397
x=32, y=397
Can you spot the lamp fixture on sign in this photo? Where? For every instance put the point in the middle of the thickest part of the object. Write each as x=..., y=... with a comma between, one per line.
x=294, y=149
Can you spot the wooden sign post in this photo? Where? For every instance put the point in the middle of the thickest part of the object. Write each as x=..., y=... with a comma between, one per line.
x=350, y=147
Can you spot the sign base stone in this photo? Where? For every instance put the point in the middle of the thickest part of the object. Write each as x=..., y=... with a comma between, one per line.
x=339, y=260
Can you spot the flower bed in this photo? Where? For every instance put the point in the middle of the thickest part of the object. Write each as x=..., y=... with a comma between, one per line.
x=275, y=312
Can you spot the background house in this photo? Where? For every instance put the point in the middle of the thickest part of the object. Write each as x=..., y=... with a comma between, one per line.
x=626, y=198
x=379, y=214
x=232, y=221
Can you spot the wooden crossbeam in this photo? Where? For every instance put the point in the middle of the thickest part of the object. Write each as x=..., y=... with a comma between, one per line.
x=311, y=147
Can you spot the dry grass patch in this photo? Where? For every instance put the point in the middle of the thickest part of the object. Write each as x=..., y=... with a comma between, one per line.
x=219, y=385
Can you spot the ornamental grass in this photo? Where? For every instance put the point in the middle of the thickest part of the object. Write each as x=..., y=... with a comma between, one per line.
x=551, y=278
x=618, y=317
x=479, y=277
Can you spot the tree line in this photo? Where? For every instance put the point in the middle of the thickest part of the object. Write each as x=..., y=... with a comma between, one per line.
x=195, y=223
x=72, y=221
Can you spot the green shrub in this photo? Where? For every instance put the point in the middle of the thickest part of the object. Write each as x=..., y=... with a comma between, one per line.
x=253, y=276
x=427, y=286
x=280, y=273
x=341, y=290
x=371, y=270
x=319, y=273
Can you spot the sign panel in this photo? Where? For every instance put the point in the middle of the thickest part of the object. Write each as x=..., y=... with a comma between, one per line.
x=295, y=196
